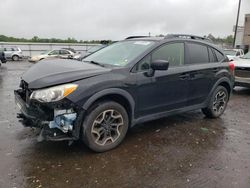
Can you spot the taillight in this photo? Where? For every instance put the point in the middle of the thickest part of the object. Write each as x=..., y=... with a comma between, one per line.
x=231, y=67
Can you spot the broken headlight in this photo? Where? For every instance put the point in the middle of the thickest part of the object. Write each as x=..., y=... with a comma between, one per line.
x=54, y=93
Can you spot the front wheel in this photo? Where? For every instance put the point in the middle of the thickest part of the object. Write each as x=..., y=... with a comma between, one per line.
x=217, y=103
x=15, y=58
x=105, y=126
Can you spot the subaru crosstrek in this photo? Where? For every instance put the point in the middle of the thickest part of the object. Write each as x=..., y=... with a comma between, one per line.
x=129, y=82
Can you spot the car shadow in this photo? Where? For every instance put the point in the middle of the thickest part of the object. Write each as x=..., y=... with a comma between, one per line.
x=147, y=148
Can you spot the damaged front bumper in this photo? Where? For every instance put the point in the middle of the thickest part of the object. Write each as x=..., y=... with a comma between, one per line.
x=58, y=121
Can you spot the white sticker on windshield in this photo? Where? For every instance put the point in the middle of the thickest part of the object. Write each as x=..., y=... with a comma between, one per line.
x=145, y=43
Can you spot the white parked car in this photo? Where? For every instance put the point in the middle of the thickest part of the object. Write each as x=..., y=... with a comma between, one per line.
x=242, y=71
x=232, y=54
x=53, y=54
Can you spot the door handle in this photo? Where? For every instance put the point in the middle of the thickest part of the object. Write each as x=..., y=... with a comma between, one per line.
x=184, y=76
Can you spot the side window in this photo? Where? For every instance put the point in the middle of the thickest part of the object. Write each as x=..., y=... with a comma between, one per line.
x=220, y=56
x=211, y=55
x=54, y=52
x=197, y=53
x=64, y=52
x=173, y=53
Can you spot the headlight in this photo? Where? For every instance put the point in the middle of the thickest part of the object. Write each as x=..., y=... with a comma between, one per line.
x=54, y=93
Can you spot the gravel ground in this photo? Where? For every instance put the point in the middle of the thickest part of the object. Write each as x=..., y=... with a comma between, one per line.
x=185, y=150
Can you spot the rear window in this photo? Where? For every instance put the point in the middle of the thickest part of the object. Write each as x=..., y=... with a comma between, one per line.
x=197, y=53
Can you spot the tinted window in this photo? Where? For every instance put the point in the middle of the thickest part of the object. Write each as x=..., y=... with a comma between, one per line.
x=197, y=53
x=8, y=49
x=211, y=55
x=173, y=53
x=220, y=56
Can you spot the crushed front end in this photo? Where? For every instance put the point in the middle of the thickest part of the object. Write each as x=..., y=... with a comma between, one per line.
x=58, y=120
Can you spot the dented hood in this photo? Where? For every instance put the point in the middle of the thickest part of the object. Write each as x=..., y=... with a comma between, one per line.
x=54, y=72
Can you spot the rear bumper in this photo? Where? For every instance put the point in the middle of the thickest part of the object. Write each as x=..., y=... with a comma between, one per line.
x=244, y=82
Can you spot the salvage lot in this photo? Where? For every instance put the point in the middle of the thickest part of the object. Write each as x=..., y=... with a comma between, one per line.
x=186, y=150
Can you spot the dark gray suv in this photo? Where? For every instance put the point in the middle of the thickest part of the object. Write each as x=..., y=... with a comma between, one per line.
x=129, y=82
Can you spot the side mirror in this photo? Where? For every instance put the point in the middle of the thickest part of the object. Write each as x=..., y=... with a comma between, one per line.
x=160, y=65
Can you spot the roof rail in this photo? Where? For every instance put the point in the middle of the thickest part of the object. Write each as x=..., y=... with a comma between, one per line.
x=169, y=36
x=134, y=37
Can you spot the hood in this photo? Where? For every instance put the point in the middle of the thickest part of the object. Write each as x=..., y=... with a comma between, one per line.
x=240, y=62
x=54, y=72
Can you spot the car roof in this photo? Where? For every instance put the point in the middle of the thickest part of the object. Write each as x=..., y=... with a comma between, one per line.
x=175, y=37
x=171, y=37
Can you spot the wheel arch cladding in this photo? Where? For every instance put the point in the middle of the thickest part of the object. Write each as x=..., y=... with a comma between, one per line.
x=227, y=86
x=118, y=95
x=225, y=82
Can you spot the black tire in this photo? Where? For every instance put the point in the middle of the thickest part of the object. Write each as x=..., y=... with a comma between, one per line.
x=15, y=58
x=105, y=126
x=218, y=103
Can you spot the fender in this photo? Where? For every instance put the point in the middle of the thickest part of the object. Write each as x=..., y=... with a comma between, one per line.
x=111, y=91
x=224, y=79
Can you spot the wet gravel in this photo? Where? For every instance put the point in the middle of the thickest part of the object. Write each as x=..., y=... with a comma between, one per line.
x=185, y=150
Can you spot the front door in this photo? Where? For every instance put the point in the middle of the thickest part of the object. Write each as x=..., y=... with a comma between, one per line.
x=166, y=90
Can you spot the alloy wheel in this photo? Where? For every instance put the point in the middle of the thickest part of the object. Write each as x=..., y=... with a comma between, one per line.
x=107, y=127
x=220, y=102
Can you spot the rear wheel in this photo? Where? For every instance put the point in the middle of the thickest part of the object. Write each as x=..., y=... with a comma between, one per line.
x=15, y=57
x=217, y=103
x=105, y=126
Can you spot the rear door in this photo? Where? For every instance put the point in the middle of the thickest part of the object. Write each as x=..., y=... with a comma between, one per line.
x=203, y=67
x=165, y=90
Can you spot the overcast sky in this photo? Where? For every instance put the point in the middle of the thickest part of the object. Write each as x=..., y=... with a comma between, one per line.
x=116, y=19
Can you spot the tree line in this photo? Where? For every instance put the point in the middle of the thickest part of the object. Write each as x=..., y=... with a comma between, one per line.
x=4, y=38
x=226, y=40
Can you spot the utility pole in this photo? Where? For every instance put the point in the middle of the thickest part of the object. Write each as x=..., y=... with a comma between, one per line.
x=236, y=25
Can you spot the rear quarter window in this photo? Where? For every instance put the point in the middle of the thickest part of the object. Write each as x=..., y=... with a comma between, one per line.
x=219, y=55
x=211, y=55
x=198, y=53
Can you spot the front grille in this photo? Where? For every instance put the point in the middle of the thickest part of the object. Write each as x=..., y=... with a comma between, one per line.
x=243, y=72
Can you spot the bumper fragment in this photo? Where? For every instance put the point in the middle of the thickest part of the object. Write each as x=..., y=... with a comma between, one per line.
x=65, y=123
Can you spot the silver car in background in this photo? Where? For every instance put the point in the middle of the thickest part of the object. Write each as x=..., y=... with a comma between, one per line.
x=242, y=71
x=13, y=53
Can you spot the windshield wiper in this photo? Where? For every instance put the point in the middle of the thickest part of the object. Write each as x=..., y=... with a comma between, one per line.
x=96, y=63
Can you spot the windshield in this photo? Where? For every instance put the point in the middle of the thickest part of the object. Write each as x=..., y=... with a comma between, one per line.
x=246, y=56
x=95, y=48
x=120, y=53
x=229, y=52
